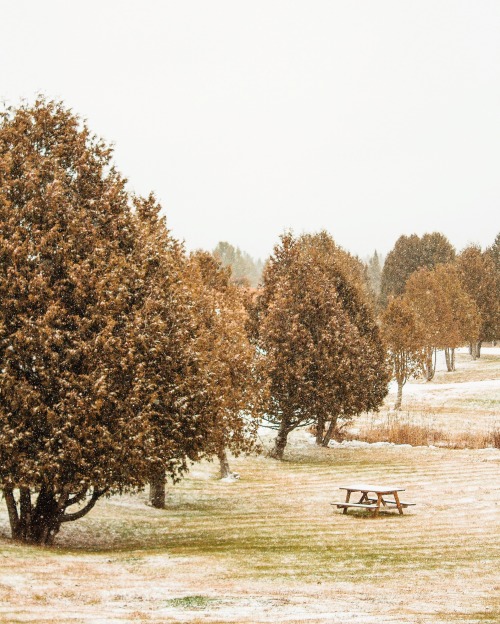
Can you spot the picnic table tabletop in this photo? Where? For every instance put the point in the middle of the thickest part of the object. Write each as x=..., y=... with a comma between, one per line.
x=364, y=487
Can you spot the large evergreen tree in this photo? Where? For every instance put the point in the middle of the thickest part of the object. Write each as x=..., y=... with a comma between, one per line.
x=409, y=254
x=447, y=315
x=171, y=381
x=405, y=340
x=230, y=404
x=480, y=278
x=89, y=400
x=324, y=359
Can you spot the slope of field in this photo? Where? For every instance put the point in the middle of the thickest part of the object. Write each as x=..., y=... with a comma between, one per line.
x=269, y=547
x=465, y=401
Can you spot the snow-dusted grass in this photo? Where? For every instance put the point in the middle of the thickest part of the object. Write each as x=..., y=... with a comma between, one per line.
x=458, y=409
x=270, y=547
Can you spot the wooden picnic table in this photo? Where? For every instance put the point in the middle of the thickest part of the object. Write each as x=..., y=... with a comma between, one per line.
x=372, y=497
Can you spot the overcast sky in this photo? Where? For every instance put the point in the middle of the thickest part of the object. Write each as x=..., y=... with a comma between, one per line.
x=370, y=119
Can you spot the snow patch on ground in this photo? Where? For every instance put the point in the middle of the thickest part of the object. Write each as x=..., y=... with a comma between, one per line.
x=234, y=476
x=458, y=388
x=356, y=443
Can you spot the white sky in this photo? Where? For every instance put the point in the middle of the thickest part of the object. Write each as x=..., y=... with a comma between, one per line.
x=370, y=119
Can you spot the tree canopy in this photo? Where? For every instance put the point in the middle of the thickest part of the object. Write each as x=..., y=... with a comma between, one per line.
x=123, y=359
x=231, y=404
x=447, y=315
x=323, y=357
x=99, y=378
x=405, y=341
x=409, y=254
x=480, y=278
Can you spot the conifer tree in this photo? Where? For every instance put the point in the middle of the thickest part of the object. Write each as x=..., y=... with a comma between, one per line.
x=494, y=252
x=230, y=405
x=374, y=273
x=171, y=384
x=95, y=393
x=64, y=303
x=324, y=360
x=480, y=278
x=462, y=314
x=447, y=315
x=409, y=254
x=405, y=341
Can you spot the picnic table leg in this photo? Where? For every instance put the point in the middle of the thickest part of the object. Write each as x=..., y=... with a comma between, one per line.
x=396, y=498
x=377, y=508
x=348, y=496
x=363, y=498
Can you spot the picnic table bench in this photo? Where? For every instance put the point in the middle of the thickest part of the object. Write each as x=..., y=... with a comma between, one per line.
x=371, y=503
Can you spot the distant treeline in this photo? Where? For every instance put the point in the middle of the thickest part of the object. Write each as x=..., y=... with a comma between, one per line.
x=245, y=271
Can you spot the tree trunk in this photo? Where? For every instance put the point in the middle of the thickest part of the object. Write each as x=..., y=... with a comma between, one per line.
x=449, y=355
x=430, y=367
x=479, y=344
x=38, y=525
x=157, y=484
x=320, y=428
x=280, y=442
x=399, y=396
x=44, y=523
x=473, y=350
x=40, y=522
x=26, y=512
x=330, y=431
x=225, y=470
x=10, y=501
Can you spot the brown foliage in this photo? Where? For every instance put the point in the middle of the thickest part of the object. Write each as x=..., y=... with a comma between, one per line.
x=411, y=253
x=323, y=356
x=405, y=341
x=64, y=292
x=231, y=397
x=448, y=317
x=100, y=376
x=480, y=279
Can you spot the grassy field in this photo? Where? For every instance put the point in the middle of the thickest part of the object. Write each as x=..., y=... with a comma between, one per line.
x=271, y=548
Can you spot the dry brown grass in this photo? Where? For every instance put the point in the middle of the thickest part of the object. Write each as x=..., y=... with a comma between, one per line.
x=420, y=430
x=495, y=434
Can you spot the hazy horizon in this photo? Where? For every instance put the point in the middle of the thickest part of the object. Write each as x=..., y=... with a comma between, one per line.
x=369, y=120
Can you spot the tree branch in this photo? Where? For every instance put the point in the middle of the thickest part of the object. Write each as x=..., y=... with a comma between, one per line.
x=76, y=498
x=85, y=510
